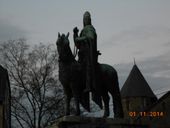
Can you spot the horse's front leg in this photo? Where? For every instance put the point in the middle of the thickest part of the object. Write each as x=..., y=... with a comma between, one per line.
x=67, y=105
x=77, y=102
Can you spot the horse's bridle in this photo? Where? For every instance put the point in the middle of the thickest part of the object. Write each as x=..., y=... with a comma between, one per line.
x=75, y=51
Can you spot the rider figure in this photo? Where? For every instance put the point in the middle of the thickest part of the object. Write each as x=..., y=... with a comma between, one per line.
x=86, y=44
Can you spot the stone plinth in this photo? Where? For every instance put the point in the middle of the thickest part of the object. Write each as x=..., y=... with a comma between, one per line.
x=92, y=122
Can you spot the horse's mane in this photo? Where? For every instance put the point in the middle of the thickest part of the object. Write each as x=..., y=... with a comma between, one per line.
x=71, y=54
x=69, y=51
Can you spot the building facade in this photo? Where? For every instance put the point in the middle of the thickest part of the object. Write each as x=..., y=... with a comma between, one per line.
x=5, y=99
x=158, y=114
x=136, y=94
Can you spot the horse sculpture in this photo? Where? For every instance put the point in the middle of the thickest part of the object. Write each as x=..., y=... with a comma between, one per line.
x=70, y=76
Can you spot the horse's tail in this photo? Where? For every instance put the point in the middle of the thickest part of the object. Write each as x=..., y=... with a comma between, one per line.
x=118, y=107
x=116, y=79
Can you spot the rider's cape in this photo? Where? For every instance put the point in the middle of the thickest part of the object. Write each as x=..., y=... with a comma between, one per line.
x=90, y=33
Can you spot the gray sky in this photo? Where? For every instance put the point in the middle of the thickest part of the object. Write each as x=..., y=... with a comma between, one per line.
x=126, y=29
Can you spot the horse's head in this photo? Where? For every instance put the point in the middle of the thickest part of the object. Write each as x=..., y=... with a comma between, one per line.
x=63, y=47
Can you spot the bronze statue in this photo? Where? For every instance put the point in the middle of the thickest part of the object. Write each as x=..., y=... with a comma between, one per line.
x=72, y=78
x=87, y=54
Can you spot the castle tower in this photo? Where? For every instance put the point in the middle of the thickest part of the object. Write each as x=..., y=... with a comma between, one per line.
x=136, y=93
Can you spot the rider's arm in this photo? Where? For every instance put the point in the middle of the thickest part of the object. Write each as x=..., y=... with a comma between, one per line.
x=80, y=39
x=89, y=35
x=75, y=36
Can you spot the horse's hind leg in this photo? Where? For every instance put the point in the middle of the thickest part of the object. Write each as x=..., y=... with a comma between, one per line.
x=117, y=109
x=106, y=99
x=67, y=105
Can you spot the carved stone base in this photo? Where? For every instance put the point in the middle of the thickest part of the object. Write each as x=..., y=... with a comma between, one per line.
x=92, y=122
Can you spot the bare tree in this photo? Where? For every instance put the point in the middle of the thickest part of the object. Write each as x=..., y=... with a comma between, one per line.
x=37, y=98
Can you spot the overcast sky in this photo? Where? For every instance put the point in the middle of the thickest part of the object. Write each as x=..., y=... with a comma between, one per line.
x=126, y=29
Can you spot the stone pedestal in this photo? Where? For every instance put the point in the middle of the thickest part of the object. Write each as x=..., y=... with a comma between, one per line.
x=92, y=122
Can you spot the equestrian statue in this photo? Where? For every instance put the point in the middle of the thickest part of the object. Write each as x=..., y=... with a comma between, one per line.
x=85, y=75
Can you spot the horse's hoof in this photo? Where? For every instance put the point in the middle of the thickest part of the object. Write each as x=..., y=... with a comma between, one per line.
x=67, y=114
x=105, y=115
x=77, y=114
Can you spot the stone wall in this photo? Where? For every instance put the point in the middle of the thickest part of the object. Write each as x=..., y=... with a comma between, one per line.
x=135, y=104
x=131, y=105
x=159, y=114
x=92, y=122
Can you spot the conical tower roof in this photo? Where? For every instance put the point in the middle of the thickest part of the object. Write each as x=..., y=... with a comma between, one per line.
x=136, y=85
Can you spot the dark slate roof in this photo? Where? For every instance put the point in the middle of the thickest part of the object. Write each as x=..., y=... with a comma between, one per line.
x=136, y=85
x=164, y=97
x=4, y=81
